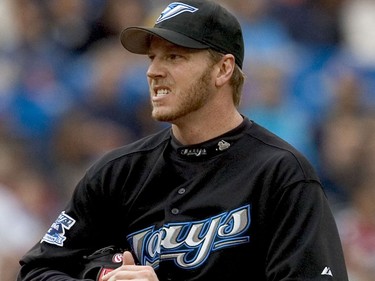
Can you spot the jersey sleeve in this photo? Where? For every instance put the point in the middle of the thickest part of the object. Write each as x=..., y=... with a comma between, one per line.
x=81, y=228
x=304, y=243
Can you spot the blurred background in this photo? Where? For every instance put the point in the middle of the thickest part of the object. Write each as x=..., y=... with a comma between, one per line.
x=69, y=92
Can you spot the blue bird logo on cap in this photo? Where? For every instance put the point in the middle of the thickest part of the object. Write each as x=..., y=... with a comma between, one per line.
x=175, y=9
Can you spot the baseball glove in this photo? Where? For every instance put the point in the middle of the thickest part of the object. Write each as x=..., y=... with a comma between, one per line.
x=101, y=262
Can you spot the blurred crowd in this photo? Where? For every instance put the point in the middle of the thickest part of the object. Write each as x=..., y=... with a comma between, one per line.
x=69, y=92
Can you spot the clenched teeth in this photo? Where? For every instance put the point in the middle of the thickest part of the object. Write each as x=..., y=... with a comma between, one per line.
x=162, y=92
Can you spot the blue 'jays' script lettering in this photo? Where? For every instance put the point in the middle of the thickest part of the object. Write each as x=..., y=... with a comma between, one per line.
x=189, y=244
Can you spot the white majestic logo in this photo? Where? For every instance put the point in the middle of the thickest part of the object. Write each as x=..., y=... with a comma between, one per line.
x=327, y=271
x=189, y=244
x=56, y=233
x=175, y=9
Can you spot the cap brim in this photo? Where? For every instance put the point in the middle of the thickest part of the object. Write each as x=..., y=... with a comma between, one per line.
x=137, y=39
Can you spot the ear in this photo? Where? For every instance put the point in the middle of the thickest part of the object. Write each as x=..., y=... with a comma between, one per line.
x=226, y=67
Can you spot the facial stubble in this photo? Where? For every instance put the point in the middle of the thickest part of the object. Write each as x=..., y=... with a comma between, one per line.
x=194, y=98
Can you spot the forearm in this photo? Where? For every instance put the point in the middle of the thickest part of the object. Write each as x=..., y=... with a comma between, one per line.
x=34, y=274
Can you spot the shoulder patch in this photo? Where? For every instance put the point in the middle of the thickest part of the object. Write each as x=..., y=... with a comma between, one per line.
x=56, y=233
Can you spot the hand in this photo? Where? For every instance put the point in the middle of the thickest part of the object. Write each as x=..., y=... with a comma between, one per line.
x=130, y=271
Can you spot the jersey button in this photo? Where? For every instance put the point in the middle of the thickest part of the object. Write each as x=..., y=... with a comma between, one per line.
x=175, y=211
x=181, y=191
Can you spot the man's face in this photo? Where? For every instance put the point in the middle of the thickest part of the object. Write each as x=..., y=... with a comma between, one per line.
x=180, y=81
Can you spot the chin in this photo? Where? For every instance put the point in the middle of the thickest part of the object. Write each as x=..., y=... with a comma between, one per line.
x=164, y=117
x=161, y=117
x=170, y=116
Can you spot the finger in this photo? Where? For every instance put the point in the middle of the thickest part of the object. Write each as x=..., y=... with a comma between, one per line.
x=128, y=258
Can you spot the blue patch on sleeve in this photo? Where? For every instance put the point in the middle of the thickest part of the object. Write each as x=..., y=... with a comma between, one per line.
x=56, y=233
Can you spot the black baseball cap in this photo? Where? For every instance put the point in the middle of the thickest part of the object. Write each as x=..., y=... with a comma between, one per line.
x=196, y=24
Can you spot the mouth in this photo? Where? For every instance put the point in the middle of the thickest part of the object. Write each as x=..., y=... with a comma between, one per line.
x=161, y=92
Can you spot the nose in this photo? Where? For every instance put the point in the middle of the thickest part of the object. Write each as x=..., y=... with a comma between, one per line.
x=155, y=69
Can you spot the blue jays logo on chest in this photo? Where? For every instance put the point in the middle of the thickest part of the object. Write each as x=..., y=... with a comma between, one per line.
x=189, y=244
x=175, y=9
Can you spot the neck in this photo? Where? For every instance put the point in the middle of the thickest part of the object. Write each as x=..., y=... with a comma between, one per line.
x=197, y=130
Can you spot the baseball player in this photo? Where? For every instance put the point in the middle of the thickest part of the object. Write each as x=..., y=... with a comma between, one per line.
x=215, y=196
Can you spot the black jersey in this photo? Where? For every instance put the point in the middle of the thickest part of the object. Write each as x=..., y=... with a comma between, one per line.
x=243, y=204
